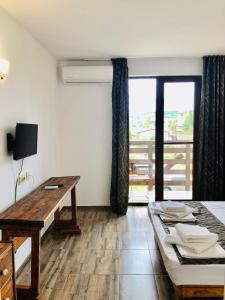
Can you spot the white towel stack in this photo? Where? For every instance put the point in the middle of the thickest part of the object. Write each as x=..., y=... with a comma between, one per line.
x=172, y=206
x=194, y=241
x=172, y=211
x=195, y=234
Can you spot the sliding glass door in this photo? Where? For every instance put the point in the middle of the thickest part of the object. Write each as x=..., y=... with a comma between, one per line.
x=161, y=154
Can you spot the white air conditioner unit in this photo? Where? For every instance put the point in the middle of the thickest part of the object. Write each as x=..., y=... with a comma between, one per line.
x=87, y=74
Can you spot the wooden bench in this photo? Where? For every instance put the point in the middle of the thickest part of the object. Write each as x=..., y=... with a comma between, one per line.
x=27, y=217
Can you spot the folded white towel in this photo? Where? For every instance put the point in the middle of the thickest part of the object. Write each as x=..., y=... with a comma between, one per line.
x=214, y=251
x=159, y=211
x=173, y=206
x=194, y=233
x=174, y=238
x=186, y=219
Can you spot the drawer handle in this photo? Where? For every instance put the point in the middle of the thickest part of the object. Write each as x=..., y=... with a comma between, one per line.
x=4, y=272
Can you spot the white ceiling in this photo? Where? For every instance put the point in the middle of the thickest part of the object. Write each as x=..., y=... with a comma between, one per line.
x=108, y=28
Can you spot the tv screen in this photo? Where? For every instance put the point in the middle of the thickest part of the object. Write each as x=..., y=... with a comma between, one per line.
x=25, y=141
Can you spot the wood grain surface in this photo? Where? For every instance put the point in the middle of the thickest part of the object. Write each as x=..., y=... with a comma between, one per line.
x=35, y=208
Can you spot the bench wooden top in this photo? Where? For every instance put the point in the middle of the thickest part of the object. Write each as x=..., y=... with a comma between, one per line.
x=35, y=209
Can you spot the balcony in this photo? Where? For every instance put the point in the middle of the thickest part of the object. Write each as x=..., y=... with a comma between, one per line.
x=177, y=171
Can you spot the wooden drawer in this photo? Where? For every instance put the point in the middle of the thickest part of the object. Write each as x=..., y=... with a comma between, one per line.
x=6, y=267
x=7, y=273
x=8, y=291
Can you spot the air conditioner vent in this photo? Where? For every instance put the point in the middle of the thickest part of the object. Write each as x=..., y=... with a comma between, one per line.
x=87, y=74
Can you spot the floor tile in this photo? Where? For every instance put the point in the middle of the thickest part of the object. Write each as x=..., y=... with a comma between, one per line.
x=135, y=262
x=157, y=263
x=134, y=240
x=88, y=287
x=133, y=287
x=152, y=245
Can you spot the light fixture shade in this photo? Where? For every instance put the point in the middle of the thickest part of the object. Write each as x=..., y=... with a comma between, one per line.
x=4, y=68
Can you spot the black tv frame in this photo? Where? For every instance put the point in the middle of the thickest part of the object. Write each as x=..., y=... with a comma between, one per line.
x=11, y=143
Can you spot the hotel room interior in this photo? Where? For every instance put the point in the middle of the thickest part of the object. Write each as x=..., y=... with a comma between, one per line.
x=112, y=150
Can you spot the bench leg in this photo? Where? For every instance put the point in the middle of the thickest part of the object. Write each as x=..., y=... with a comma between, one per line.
x=68, y=226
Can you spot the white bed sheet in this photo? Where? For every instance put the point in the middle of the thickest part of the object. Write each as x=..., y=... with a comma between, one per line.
x=213, y=274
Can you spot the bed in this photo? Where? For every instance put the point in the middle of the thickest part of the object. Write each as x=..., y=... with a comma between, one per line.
x=191, y=280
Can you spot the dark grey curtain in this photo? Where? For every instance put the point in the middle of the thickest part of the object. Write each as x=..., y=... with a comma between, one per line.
x=120, y=137
x=210, y=147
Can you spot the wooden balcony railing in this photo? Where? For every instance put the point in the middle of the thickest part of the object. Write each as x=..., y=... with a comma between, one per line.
x=177, y=164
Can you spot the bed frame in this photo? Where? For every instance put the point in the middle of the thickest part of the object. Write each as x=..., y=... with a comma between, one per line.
x=201, y=291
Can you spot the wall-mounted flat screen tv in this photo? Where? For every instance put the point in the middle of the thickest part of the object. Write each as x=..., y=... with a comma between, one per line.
x=25, y=140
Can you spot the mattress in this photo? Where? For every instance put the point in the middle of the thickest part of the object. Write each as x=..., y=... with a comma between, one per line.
x=212, y=274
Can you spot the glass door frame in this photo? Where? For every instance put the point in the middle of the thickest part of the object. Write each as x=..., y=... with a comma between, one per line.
x=159, y=143
x=159, y=126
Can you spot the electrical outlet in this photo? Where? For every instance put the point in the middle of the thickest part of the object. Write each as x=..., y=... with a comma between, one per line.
x=28, y=176
x=24, y=176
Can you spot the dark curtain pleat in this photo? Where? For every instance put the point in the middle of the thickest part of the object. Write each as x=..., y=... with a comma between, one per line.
x=210, y=146
x=120, y=137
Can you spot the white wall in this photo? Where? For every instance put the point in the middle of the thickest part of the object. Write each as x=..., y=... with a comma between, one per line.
x=28, y=95
x=85, y=114
x=85, y=138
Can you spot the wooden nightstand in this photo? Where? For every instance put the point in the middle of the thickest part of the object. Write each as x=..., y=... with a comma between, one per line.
x=7, y=272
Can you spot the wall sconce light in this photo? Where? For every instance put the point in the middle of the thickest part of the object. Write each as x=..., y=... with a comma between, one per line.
x=4, y=68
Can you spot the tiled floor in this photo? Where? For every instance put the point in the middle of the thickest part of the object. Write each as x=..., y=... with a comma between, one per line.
x=114, y=258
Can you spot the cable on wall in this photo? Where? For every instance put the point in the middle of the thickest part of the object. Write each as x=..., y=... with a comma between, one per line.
x=17, y=179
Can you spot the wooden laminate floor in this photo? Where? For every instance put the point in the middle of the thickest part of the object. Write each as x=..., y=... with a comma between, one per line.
x=115, y=258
